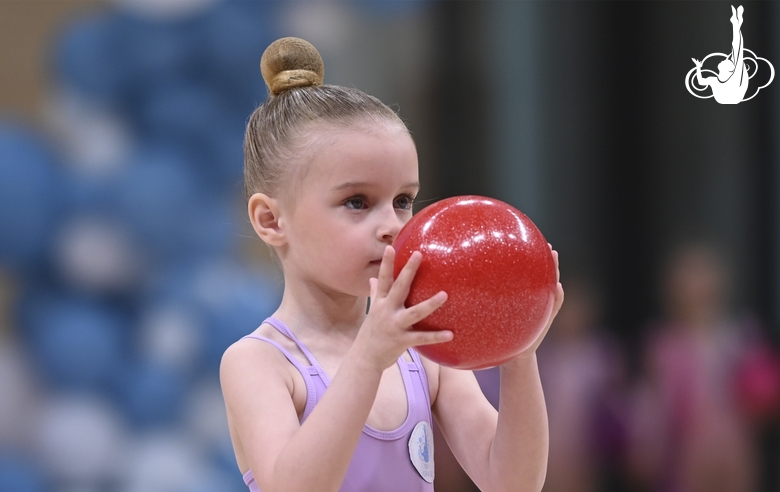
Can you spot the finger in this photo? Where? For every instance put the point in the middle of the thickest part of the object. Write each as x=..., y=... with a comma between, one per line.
x=400, y=289
x=372, y=288
x=557, y=303
x=555, y=259
x=430, y=337
x=385, y=278
x=559, y=295
x=422, y=310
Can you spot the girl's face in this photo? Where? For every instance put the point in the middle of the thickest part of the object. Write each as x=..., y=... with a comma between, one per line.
x=353, y=198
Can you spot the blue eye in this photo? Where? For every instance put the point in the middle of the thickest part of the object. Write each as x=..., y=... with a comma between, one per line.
x=404, y=202
x=355, y=203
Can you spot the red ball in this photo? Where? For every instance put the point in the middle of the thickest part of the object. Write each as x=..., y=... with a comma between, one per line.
x=497, y=270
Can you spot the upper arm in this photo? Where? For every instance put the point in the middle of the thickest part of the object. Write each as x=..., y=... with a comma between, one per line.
x=258, y=396
x=467, y=420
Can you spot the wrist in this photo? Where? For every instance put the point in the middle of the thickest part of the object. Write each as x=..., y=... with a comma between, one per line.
x=522, y=362
x=359, y=356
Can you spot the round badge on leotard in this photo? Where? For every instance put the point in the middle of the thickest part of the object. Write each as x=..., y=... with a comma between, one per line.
x=421, y=450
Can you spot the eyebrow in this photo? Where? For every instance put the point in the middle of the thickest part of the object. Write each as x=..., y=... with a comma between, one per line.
x=364, y=184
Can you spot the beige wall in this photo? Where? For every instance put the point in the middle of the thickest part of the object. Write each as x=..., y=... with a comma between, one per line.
x=27, y=31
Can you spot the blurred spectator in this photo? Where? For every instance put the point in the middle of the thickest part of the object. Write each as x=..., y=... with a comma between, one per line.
x=582, y=372
x=690, y=430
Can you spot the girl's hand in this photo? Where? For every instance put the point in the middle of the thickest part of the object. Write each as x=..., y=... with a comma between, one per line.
x=387, y=330
x=556, y=307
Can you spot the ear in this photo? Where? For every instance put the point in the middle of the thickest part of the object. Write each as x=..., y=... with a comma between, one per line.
x=264, y=215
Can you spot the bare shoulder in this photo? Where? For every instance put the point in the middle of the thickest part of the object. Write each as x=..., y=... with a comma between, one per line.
x=250, y=353
x=252, y=374
x=245, y=348
x=259, y=389
x=253, y=367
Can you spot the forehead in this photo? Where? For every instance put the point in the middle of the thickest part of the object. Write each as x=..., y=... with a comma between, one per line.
x=369, y=153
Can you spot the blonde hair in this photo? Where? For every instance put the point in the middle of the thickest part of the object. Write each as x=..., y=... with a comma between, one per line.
x=293, y=71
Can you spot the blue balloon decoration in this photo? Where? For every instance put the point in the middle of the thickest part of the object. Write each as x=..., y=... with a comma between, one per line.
x=249, y=299
x=223, y=456
x=157, y=197
x=184, y=113
x=225, y=163
x=217, y=230
x=151, y=395
x=29, y=198
x=20, y=475
x=175, y=283
x=161, y=50
x=86, y=193
x=77, y=343
x=90, y=57
x=237, y=33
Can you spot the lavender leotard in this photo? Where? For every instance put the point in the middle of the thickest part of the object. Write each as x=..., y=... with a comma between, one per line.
x=382, y=459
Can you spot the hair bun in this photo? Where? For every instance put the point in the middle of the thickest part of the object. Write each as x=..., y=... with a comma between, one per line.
x=291, y=62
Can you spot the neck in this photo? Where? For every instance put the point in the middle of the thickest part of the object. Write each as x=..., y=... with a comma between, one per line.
x=307, y=307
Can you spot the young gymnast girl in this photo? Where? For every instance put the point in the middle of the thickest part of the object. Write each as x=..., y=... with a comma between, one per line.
x=324, y=396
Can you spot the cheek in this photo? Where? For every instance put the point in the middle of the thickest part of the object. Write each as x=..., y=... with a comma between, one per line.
x=352, y=247
x=333, y=239
x=406, y=217
x=347, y=242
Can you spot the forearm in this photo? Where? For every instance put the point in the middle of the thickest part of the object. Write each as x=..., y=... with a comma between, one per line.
x=518, y=455
x=699, y=78
x=326, y=441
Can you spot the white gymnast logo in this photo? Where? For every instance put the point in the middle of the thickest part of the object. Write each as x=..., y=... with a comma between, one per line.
x=735, y=70
x=421, y=450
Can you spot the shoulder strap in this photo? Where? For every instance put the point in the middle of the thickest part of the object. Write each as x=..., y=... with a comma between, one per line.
x=284, y=330
x=293, y=360
x=417, y=361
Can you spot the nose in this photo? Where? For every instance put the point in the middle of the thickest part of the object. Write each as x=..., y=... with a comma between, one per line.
x=389, y=225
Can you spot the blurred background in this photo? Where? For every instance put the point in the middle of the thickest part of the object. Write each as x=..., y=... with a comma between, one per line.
x=127, y=264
